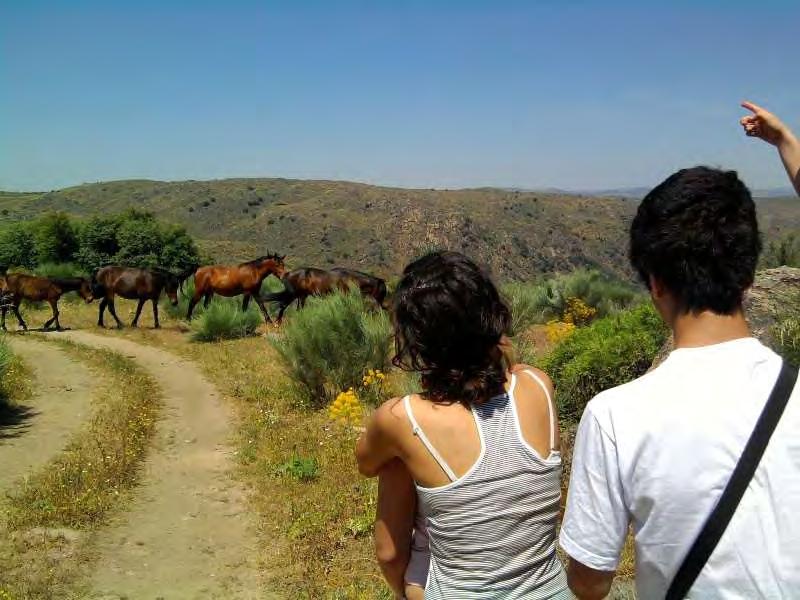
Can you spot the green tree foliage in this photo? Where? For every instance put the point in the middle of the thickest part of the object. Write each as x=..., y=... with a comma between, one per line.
x=55, y=240
x=609, y=352
x=133, y=238
x=17, y=246
x=326, y=347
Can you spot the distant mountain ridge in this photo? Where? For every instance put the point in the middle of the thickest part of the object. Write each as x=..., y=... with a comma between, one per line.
x=518, y=234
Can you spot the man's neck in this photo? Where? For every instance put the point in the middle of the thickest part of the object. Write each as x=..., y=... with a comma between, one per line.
x=707, y=328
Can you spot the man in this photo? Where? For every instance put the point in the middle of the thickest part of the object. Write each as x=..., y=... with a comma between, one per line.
x=655, y=454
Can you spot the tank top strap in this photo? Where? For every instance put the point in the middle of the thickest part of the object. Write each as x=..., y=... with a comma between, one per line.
x=550, y=409
x=417, y=430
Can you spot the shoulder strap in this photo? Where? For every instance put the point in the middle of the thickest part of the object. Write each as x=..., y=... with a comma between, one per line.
x=549, y=407
x=426, y=442
x=718, y=521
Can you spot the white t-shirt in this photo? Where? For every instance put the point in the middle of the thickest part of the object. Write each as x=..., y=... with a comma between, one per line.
x=657, y=452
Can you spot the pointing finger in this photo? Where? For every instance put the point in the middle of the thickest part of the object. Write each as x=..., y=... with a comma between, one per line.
x=755, y=108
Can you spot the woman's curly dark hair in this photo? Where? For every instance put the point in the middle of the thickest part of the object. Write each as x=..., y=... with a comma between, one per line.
x=449, y=320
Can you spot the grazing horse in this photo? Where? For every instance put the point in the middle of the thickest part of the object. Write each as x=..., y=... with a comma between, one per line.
x=18, y=287
x=302, y=283
x=245, y=279
x=134, y=284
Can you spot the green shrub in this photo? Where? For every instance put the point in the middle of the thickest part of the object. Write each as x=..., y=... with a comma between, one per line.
x=787, y=336
x=17, y=247
x=54, y=238
x=782, y=251
x=5, y=362
x=609, y=352
x=67, y=269
x=299, y=468
x=224, y=320
x=326, y=347
x=533, y=303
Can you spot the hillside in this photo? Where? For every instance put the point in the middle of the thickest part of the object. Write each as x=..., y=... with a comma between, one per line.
x=519, y=234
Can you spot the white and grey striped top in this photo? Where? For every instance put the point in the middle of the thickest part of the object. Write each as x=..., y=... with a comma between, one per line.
x=493, y=530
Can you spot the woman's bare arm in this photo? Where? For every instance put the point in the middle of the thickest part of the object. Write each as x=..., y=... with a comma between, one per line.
x=394, y=521
x=766, y=126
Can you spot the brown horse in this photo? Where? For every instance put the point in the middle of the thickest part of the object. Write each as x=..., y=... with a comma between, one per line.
x=134, y=284
x=302, y=283
x=245, y=278
x=19, y=287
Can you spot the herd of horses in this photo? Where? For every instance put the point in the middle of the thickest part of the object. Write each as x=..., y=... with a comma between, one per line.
x=145, y=285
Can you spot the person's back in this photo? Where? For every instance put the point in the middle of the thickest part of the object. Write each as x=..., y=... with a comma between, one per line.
x=677, y=434
x=657, y=453
x=492, y=530
x=480, y=441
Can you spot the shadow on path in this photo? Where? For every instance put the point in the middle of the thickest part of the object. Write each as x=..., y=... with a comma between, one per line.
x=14, y=420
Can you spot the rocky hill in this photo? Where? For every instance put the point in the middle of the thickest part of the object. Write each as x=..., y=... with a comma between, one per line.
x=519, y=234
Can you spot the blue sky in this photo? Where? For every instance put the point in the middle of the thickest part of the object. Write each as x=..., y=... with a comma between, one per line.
x=577, y=95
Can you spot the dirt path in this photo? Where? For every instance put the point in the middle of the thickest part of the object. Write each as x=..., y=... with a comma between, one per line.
x=187, y=534
x=60, y=405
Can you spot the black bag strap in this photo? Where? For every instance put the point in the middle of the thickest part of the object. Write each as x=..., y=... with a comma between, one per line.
x=718, y=521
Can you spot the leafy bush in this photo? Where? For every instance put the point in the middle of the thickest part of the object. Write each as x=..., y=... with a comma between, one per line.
x=533, y=303
x=17, y=246
x=783, y=251
x=326, y=347
x=224, y=319
x=787, y=335
x=55, y=240
x=5, y=362
x=609, y=352
x=67, y=269
x=299, y=468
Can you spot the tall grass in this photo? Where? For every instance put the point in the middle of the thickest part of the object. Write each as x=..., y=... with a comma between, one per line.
x=609, y=352
x=533, y=303
x=326, y=347
x=6, y=357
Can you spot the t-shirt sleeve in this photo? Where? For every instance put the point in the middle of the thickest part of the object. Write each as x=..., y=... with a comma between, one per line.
x=596, y=519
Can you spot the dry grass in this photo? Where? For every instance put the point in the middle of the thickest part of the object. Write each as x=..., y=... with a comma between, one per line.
x=47, y=524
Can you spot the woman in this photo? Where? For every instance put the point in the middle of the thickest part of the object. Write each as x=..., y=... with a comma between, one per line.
x=480, y=441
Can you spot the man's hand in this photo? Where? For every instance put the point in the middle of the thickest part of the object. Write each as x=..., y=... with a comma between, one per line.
x=763, y=124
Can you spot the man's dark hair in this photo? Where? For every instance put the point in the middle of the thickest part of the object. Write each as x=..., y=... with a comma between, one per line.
x=449, y=320
x=697, y=234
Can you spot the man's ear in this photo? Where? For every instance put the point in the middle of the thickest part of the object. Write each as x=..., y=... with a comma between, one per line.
x=657, y=289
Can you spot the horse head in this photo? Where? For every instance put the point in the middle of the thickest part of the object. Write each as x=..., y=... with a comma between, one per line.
x=172, y=286
x=85, y=291
x=271, y=264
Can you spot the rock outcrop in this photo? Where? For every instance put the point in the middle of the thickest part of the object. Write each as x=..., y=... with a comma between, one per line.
x=774, y=293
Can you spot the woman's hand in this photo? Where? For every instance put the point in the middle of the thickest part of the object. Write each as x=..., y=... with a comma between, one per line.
x=763, y=124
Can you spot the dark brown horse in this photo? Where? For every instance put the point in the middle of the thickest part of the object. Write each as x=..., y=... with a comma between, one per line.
x=19, y=287
x=245, y=279
x=134, y=284
x=302, y=283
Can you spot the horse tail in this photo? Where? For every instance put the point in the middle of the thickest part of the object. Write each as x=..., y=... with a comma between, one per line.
x=185, y=274
x=380, y=292
x=98, y=289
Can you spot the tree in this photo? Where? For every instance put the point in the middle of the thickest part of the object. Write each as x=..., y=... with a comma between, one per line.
x=17, y=247
x=54, y=238
x=97, y=242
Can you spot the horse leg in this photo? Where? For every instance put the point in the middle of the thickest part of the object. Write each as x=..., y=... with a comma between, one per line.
x=114, y=313
x=207, y=299
x=246, y=302
x=138, y=312
x=103, y=304
x=192, y=303
x=20, y=320
x=155, y=313
x=54, y=319
x=3, y=318
x=263, y=308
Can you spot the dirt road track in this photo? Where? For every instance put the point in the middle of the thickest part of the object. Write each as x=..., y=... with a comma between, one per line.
x=187, y=534
x=59, y=406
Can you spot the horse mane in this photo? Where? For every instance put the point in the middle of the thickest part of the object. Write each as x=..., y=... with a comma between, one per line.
x=255, y=261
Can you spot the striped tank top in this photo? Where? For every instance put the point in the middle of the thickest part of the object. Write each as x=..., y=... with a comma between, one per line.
x=493, y=530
